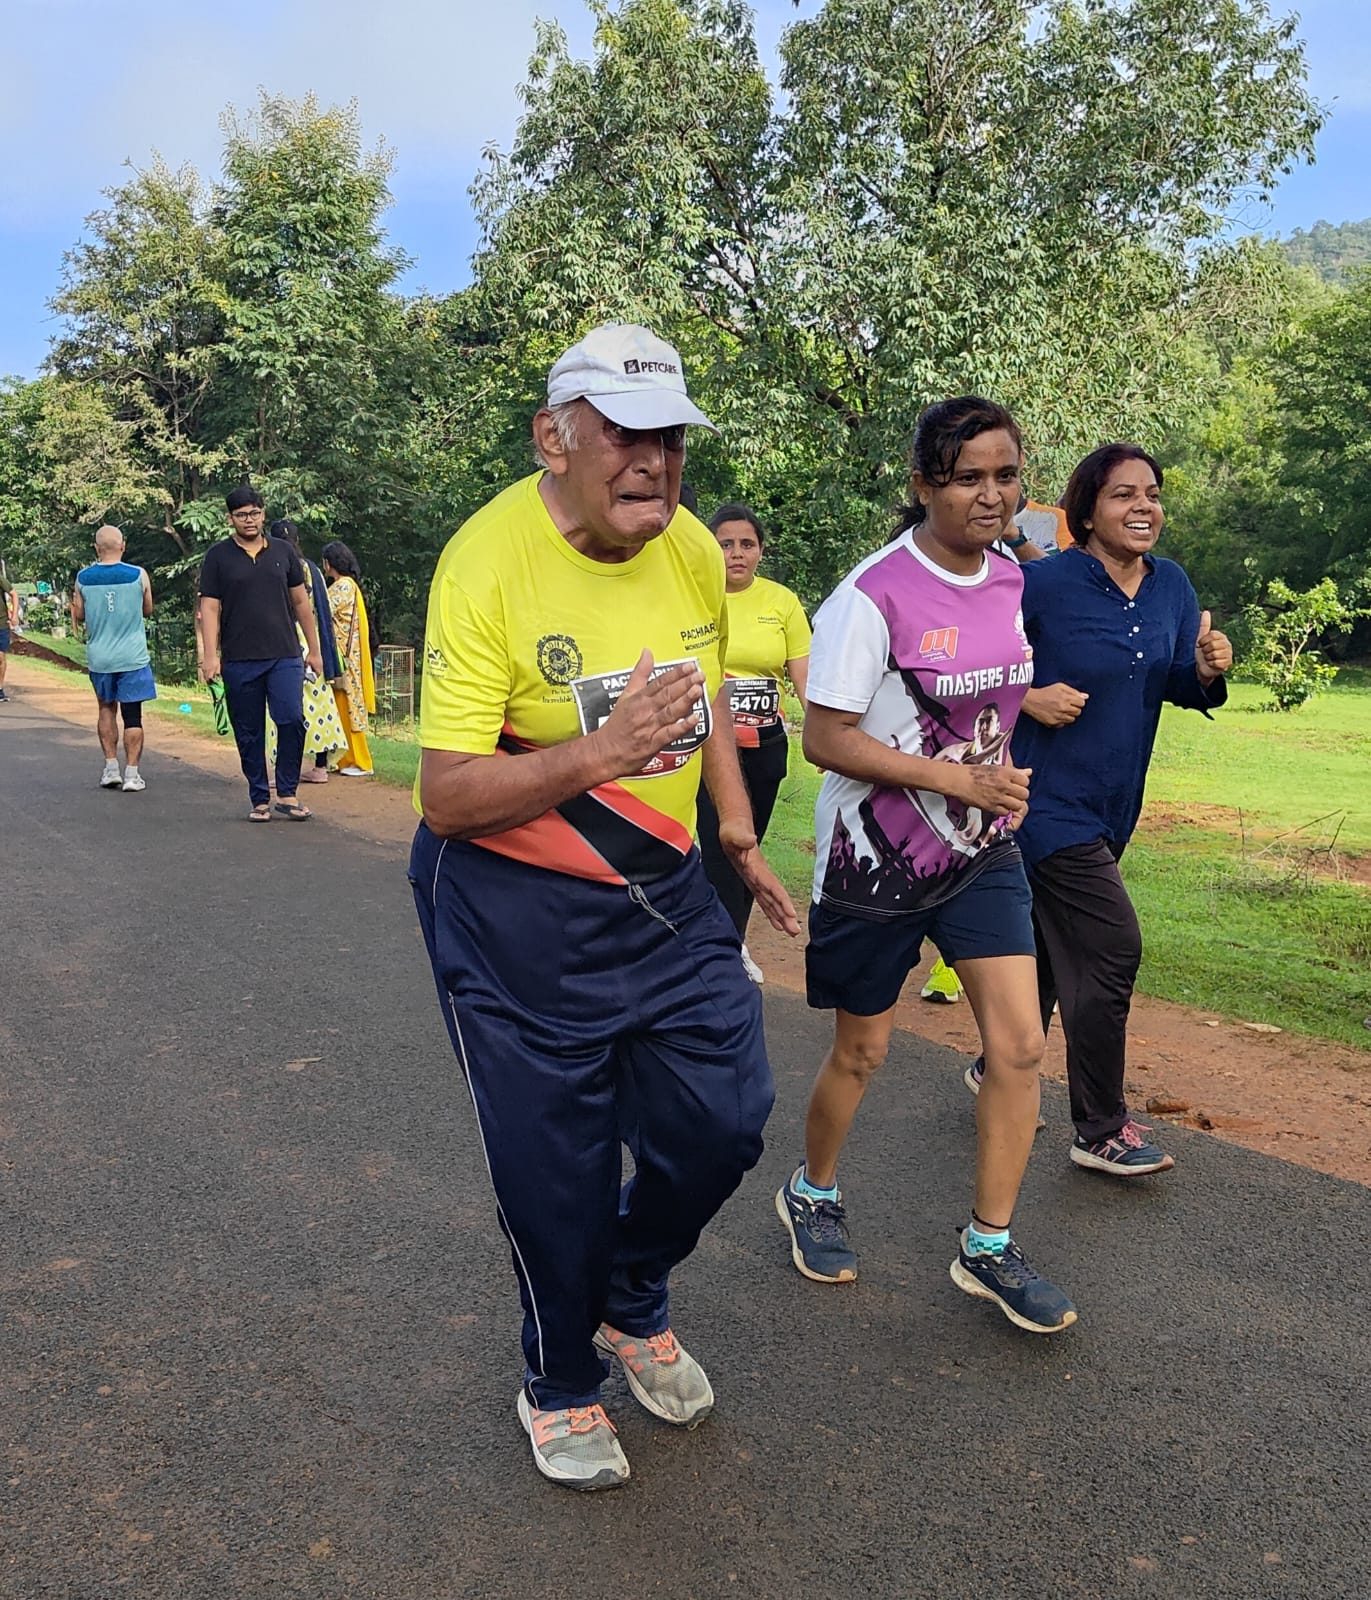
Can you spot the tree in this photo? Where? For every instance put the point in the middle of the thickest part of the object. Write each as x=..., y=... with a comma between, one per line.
x=143, y=302
x=981, y=195
x=1284, y=633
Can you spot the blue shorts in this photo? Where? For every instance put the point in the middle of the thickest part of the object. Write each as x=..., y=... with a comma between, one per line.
x=858, y=965
x=125, y=688
x=4, y=641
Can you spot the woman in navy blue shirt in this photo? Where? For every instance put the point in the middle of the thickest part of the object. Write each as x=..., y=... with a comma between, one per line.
x=1116, y=633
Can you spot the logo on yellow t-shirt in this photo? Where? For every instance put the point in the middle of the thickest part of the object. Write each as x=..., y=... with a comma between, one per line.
x=559, y=659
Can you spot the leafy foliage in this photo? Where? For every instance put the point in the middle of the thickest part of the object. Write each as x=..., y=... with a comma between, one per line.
x=1283, y=632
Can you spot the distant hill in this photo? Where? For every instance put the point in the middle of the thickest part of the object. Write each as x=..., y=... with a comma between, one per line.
x=1331, y=249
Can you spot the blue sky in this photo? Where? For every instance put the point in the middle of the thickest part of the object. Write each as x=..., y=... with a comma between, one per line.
x=93, y=83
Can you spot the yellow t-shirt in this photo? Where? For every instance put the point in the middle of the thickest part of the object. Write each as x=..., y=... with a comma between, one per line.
x=529, y=643
x=767, y=627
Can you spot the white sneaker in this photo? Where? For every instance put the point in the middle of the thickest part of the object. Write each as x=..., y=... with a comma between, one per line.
x=354, y=772
x=110, y=779
x=751, y=968
x=133, y=783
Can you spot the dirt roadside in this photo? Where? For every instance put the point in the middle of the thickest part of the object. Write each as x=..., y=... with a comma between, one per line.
x=1305, y=1100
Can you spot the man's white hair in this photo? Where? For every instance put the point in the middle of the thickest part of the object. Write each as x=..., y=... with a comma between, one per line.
x=564, y=420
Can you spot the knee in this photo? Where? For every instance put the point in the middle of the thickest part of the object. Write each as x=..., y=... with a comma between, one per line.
x=858, y=1059
x=1020, y=1052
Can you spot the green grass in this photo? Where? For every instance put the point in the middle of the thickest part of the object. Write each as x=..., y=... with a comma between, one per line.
x=1280, y=770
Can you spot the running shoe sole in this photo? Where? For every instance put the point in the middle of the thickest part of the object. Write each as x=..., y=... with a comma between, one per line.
x=973, y=1286
x=1117, y=1169
x=645, y=1400
x=607, y=1478
x=783, y=1212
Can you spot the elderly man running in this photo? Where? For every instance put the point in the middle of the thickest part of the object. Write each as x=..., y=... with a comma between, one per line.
x=589, y=977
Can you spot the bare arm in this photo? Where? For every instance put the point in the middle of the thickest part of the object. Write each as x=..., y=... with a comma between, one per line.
x=147, y=595
x=304, y=615
x=78, y=605
x=210, y=613
x=723, y=778
x=833, y=740
x=798, y=673
x=473, y=796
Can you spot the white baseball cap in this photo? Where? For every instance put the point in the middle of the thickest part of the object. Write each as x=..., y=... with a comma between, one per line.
x=629, y=375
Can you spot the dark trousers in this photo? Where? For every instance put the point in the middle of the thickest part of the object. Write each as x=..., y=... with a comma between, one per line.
x=251, y=688
x=577, y=1009
x=764, y=769
x=1089, y=949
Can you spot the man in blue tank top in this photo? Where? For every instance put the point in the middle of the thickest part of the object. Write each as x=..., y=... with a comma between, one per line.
x=113, y=598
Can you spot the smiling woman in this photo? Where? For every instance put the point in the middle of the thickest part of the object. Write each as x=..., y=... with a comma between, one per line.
x=1116, y=633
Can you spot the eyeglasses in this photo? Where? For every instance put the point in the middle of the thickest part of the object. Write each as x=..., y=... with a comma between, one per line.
x=247, y=514
x=672, y=439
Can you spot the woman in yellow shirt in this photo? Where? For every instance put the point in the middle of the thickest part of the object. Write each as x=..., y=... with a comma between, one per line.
x=768, y=641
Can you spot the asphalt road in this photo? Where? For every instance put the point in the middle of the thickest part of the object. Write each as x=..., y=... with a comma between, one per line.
x=260, y=1331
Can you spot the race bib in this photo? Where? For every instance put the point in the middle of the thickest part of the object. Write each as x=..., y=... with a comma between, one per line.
x=597, y=695
x=754, y=702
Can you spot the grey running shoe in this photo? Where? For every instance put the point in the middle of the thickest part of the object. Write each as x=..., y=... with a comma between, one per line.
x=134, y=784
x=819, y=1244
x=664, y=1378
x=111, y=778
x=575, y=1446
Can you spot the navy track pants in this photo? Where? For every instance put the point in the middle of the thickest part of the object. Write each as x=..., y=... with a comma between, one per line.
x=581, y=1013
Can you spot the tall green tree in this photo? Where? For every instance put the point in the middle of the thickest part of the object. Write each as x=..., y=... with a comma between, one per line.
x=143, y=306
x=980, y=195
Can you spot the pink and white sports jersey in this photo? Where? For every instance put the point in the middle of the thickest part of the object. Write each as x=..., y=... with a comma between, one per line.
x=937, y=665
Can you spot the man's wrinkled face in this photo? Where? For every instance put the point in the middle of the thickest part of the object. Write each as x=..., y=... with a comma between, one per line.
x=621, y=485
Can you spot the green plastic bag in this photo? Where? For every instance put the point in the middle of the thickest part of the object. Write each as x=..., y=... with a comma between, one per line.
x=219, y=698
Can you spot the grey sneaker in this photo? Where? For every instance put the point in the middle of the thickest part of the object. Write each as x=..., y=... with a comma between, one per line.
x=111, y=778
x=665, y=1379
x=575, y=1446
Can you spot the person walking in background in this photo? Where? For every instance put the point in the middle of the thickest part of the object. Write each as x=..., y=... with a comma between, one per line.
x=113, y=598
x=323, y=726
x=357, y=695
x=768, y=641
x=252, y=597
x=8, y=619
x=1116, y=633
x=918, y=669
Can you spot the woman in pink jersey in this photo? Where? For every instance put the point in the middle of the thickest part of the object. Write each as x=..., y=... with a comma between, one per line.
x=918, y=668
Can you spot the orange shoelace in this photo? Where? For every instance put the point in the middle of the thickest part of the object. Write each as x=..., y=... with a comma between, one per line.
x=549, y=1425
x=662, y=1348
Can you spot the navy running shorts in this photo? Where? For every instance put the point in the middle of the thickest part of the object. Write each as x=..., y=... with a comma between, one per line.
x=859, y=965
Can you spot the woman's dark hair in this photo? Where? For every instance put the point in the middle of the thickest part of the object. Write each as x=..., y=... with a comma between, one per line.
x=734, y=512
x=284, y=528
x=341, y=559
x=243, y=495
x=939, y=435
x=1090, y=477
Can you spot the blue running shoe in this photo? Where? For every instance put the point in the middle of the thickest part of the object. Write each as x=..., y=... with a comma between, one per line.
x=819, y=1244
x=1009, y=1281
x=1125, y=1154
